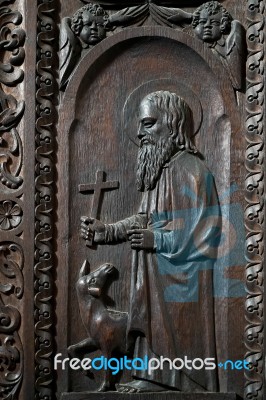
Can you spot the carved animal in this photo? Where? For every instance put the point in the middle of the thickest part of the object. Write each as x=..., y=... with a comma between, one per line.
x=106, y=328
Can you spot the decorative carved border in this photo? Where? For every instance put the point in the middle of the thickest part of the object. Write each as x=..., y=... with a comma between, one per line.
x=46, y=120
x=12, y=38
x=255, y=198
x=11, y=349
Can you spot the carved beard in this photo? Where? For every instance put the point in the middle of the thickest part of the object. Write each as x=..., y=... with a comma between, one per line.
x=152, y=157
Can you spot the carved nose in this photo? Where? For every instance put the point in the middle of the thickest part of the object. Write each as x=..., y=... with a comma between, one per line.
x=109, y=268
x=140, y=134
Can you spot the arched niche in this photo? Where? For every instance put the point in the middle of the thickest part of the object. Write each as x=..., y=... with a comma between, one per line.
x=92, y=136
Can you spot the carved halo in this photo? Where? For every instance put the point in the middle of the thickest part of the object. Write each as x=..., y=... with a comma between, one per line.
x=129, y=120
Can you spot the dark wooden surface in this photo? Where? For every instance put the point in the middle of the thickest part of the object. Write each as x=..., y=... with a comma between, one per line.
x=95, y=99
x=149, y=396
x=98, y=140
x=47, y=314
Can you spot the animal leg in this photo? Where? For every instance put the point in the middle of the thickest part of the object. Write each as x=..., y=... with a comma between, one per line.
x=108, y=382
x=79, y=349
x=85, y=346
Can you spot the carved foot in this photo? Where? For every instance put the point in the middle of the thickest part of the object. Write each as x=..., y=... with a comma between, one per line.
x=139, y=386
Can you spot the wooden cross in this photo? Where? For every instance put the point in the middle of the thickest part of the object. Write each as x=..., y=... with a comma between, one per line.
x=97, y=189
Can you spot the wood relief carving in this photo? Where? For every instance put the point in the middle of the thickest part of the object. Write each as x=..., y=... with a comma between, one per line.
x=12, y=39
x=210, y=22
x=167, y=159
x=254, y=196
x=10, y=215
x=108, y=306
x=97, y=188
x=214, y=25
x=216, y=31
x=44, y=197
x=86, y=28
x=99, y=320
x=11, y=350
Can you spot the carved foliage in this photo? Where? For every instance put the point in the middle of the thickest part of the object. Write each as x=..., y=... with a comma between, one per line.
x=11, y=352
x=11, y=110
x=46, y=120
x=254, y=197
x=12, y=39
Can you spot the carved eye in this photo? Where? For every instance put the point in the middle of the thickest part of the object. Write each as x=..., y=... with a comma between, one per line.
x=148, y=123
x=92, y=280
x=215, y=22
x=202, y=21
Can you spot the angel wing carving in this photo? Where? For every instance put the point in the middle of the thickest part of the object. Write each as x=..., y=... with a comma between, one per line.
x=235, y=53
x=70, y=52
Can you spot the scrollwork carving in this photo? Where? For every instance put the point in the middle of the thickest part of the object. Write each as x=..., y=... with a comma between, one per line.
x=45, y=123
x=11, y=110
x=12, y=38
x=11, y=351
x=254, y=197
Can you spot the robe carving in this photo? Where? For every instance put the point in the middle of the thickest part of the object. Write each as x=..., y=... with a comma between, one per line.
x=174, y=282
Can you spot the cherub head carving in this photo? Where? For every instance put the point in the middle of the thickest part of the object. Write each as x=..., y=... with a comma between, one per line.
x=211, y=21
x=89, y=24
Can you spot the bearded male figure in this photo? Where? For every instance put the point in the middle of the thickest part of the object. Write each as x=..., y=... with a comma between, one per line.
x=174, y=238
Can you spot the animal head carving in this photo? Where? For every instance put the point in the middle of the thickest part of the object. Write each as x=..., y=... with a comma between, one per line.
x=93, y=283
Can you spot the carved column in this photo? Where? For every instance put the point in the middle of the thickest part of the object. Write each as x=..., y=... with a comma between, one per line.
x=44, y=269
x=255, y=197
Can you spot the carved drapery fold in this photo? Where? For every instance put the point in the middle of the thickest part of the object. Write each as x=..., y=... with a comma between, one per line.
x=255, y=198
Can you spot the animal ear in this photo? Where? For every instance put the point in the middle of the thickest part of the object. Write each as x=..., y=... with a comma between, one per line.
x=85, y=269
x=95, y=292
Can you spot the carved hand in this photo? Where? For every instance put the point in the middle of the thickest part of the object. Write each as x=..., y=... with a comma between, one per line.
x=92, y=229
x=141, y=239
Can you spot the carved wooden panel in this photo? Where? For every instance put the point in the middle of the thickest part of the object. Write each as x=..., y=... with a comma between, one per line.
x=11, y=203
x=72, y=78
